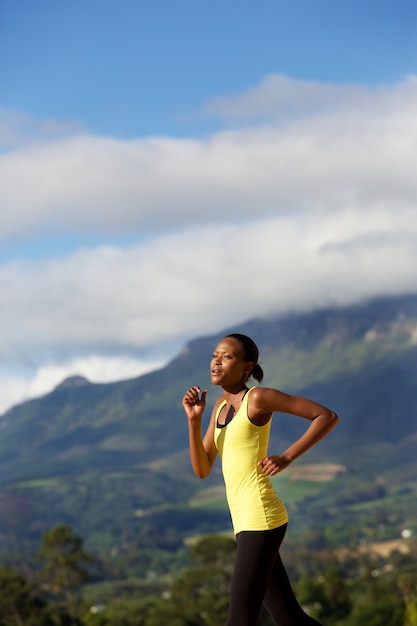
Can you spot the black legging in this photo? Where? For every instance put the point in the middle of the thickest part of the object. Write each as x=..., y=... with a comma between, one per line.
x=260, y=577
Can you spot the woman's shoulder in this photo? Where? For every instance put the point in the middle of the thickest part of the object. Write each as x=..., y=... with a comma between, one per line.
x=265, y=398
x=259, y=411
x=257, y=393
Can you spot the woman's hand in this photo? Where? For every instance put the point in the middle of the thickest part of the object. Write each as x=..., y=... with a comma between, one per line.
x=193, y=403
x=274, y=464
x=202, y=451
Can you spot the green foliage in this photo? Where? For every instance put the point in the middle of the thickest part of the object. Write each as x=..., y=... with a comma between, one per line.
x=214, y=550
x=410, y=614
x=21, y=604
x=349, y=590
x=327, y=597
x=199, y=596
x=169, y=614
x=63, y=556
x=120, y=613
x=379, y=611
x=408, y=587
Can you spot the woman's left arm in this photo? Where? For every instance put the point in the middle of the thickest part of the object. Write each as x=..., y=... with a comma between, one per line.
x=322, y=421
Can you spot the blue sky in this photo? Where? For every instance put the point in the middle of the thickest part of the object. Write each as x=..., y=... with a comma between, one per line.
x=145, y=148
x=137, y=68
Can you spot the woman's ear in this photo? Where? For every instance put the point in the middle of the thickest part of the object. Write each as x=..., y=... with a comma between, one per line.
x=249, y=367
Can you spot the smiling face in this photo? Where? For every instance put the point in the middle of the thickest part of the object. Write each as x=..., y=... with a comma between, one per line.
x=228, y=367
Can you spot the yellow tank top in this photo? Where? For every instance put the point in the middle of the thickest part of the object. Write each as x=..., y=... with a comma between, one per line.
x=253, y=503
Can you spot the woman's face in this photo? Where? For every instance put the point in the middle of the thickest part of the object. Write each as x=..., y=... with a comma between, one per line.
x=228, y=367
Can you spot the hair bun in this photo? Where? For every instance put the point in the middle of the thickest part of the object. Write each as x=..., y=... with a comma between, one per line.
x=257, y=373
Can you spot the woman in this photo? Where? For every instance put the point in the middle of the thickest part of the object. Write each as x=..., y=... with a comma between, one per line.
x=239, y=431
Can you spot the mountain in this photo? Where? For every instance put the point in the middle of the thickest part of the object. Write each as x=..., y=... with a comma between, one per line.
x=86, y=451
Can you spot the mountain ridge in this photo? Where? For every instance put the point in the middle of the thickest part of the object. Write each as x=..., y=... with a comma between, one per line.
x=354, y=348
x=88, y=449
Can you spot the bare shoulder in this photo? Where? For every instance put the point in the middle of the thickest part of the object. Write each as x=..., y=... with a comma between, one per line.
x=266, y=399
x=262, y=403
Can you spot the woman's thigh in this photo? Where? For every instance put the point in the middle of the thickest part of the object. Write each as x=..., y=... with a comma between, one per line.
x=255, y=557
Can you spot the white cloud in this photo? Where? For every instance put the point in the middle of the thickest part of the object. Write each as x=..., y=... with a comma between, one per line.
x=315, y=208
x=113, y=313
x=14, y=389
x=18, y=129
x=358, y=147
x=109, y=299
x=283, y=99
x=95, y=368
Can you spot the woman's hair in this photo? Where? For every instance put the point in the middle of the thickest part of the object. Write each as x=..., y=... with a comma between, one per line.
x=250, y=353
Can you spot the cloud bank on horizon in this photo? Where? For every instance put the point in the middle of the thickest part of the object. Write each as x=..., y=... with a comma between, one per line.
x=306, y=198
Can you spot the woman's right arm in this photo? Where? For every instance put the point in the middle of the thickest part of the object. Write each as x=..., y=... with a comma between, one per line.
x=202, y=451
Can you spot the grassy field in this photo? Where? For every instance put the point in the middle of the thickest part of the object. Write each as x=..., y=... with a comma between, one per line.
x=212, y=498
x=292, y=486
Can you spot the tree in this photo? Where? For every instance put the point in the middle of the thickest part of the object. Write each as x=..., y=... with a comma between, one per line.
x=378, y=603
x=327, y=598
x=19, y=604
x=386, y=611
x=63, y=556
x=122, y=613
x=200, y=595
x=214, y=550
x=408, y=587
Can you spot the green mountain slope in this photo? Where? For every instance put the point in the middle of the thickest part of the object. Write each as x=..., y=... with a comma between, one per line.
x=106, y=457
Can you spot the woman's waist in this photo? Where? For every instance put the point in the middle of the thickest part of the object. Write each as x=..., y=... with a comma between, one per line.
x=246, y=478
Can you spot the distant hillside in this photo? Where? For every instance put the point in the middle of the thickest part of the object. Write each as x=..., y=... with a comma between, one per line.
x=128, y=441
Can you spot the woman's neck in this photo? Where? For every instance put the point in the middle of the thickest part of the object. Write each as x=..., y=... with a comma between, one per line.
x=231, y=394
